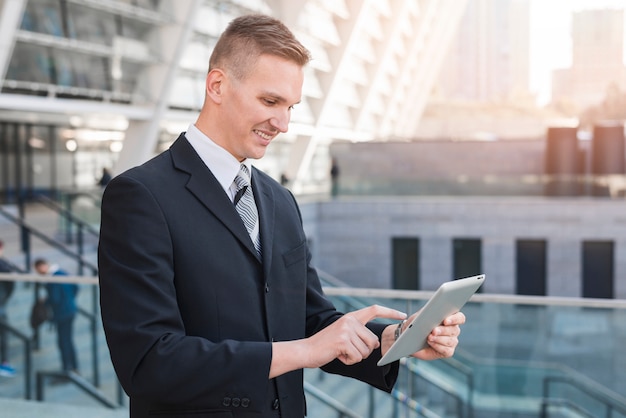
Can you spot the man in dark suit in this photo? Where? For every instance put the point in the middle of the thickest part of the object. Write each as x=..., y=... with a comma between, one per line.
x=209, y=314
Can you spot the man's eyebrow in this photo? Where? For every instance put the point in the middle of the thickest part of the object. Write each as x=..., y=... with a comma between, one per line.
x=278, y=97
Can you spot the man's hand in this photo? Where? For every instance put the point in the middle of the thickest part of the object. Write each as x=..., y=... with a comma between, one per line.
x=442, y=340
x=347, y=339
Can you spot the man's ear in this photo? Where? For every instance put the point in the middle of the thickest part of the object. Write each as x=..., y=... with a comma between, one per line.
x=214, y=85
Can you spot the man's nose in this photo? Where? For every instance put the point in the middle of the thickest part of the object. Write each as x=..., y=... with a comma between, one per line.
x=280, y=121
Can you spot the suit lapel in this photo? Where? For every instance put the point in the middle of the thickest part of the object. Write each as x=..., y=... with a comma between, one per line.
x=205, y=187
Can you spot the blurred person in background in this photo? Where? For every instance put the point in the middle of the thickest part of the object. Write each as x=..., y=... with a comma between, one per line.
x=6, y=290
x=105, y=178
x=62, y=300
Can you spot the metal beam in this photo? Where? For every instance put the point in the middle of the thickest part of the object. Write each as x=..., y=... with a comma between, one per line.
x=440, y=38
x=142, y=135
x=420, y=27
x=10, y=21
x=379, y=69
x=300, y=160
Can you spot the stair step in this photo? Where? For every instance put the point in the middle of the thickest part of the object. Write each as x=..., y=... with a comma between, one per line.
x=19, y=408
x=47, y=358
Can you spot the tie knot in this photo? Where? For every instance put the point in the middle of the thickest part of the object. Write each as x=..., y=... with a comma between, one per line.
x=243, y=177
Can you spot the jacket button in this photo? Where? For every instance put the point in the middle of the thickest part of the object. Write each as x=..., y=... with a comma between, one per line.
x=267, y=288
x=275, y=404
x=236, y=402
x=245, y=402
x=226, y=401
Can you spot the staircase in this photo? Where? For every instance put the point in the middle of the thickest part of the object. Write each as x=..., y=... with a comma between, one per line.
x=15, y=399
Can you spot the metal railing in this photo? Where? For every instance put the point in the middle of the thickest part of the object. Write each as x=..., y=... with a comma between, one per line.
x=78, y=381
x=29, y=231
x=357, y=297
x=531, y=184
x=462, y=393
x=463, y=406
x=72, y=221
x=342, y=410
x=92, y=317
x=592, y=391
x=28, y=357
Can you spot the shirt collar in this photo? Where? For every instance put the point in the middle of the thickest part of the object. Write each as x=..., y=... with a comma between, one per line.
x=222, y=164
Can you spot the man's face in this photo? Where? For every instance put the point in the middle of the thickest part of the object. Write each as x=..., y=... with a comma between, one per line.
x=257, y=108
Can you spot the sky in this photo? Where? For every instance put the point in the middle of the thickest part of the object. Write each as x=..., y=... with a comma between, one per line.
x=550, y=41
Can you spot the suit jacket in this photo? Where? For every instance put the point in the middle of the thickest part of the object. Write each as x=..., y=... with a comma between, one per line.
x=190, y=311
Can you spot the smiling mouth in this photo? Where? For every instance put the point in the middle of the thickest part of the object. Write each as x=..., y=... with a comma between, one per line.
x=263, y=135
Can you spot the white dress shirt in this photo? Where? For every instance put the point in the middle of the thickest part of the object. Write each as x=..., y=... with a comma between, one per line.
x=222, y=164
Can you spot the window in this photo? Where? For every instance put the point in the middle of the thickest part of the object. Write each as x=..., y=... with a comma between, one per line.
x=597, y=269
x=405, y=265
x=530, y=267
x=467, y=257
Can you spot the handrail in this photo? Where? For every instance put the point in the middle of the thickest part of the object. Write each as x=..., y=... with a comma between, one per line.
x=92, y=317
x=38, y=278
x=76, y=379
x=479, y=297
x=330, y=401
x=28, y=359
x=566, y=403
x=412, y=404
x=70, y=218
x=50, y=241
x=82, y=262
x=93, y=322
x=469, y=375
x=69, y=215
x=603, y=395
x=411, y=367
x=330, y=279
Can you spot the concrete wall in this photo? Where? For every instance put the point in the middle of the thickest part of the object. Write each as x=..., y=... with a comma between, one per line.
x=425, y=159
x=352, y=237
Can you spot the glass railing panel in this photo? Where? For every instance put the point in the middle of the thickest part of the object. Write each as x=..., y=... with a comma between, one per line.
x=487, y=185
x=511, y=347
x=564, y=336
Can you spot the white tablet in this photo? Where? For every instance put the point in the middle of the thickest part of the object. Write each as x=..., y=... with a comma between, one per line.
x=447, y=300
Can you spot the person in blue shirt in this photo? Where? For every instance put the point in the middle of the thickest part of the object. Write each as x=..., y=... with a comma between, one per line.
x=6, y=289
x=62, y=301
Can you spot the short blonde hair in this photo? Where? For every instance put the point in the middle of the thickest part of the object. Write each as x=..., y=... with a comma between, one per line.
x=250, y=36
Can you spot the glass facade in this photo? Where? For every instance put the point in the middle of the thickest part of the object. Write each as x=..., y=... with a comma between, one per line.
x=83, y=50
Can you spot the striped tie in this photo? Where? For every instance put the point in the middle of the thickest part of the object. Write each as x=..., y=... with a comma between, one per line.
x=244, y=203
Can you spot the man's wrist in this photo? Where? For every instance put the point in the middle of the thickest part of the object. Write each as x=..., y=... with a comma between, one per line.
x=398, y=330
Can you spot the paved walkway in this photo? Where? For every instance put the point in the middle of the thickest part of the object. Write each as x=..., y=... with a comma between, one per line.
x=16, y=408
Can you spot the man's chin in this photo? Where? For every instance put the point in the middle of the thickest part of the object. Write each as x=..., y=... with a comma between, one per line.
x=259, y=153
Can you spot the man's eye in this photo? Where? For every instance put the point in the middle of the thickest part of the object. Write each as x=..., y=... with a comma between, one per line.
x=270, y=102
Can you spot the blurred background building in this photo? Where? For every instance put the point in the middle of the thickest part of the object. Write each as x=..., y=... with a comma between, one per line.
x=116, y=81
x=408, y=98
x=466, y=136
